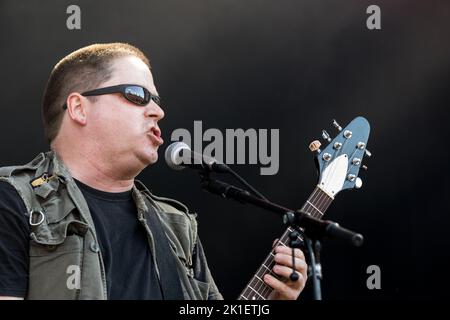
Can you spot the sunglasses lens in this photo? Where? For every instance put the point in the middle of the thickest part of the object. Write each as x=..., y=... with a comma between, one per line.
x=157, y=100
x=136, y=95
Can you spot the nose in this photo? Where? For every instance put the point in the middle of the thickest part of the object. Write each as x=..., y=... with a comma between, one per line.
x=154, y=111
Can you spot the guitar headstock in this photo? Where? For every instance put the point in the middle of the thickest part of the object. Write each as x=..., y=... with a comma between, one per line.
x=340, y=161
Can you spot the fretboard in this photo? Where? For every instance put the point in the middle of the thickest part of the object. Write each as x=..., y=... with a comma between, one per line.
x=316, y=205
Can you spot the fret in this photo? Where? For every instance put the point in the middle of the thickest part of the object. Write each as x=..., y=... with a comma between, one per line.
x=260, y=286
x=307, y=201
x=261, y=272
x=269, y=270
x=265, y=266
x=256, y=292
x=253, y=297
x=317, y=203
x=282, y=243
x=259, y=281
x=269, y=262
x=250, y=295
x=259, y=278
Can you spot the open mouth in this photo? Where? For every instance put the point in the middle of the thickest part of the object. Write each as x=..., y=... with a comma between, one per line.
x=155, y=135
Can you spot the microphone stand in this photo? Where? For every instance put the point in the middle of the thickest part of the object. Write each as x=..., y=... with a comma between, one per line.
x=315, y=268
x=314, y=230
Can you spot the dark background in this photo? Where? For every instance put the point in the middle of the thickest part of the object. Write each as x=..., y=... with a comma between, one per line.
x=292, y=65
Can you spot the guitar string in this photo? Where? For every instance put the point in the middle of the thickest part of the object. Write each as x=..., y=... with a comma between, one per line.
x=268, y=264
x=336, y=155
x=321, y=205
x=320, y=199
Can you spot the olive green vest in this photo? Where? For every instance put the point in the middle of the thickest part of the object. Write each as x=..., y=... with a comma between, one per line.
x=65, y=259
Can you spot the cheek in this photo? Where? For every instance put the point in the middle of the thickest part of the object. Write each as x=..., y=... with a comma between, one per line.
x=118, y=123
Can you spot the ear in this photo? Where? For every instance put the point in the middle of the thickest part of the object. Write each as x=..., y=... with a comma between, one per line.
x=76, y=107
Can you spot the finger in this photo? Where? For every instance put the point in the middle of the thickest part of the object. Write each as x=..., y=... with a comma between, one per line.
x=286, y=273
x=287, y=250
x=282, y=288
x=275, y=242
x=286, y=260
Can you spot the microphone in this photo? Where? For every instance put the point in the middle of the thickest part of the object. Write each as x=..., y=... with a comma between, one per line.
x=179, y=155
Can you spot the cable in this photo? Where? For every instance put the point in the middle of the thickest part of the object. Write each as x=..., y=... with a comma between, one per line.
x=245, y=183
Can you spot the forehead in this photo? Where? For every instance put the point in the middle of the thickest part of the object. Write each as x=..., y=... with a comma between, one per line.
x=131, y=70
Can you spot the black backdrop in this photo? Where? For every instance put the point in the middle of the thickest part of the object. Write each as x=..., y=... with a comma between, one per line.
x=292, y=65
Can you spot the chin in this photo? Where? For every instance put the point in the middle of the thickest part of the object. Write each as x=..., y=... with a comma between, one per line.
x=150, y=157
x=153, y=159
x=147, y=155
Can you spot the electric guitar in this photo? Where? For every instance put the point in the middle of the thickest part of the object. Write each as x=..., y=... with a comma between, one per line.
x=338, y=165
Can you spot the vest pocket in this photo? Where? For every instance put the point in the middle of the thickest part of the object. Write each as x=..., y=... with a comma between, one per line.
x=200, y=288
x=179, y=232
x=55, y=270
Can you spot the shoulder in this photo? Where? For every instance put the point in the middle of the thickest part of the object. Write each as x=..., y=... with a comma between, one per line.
x=13, y=212
x=164, y=204
x=10, y=198
x=6, y=189
x=8, y=171
x=174, y=215
x=169, y=205
x=16, y=180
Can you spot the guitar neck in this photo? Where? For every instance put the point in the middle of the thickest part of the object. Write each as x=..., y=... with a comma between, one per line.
x=316, y=205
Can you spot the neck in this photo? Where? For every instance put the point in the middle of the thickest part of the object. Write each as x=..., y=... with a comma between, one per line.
x=316, y=205
x=94, y=170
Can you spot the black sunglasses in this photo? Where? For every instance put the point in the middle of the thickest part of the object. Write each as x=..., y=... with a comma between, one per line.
x=132, y=92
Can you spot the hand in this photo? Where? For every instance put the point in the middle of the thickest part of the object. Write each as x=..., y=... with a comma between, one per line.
x=285, y=288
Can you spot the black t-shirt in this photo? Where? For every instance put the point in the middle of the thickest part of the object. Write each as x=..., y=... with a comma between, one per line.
x=130, y=272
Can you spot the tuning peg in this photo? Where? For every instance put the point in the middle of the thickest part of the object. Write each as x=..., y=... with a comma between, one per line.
x=336, y=125
x=315, y=146
x=326, y=136
x=362, y=146
x=358, y=183
x=364, y=167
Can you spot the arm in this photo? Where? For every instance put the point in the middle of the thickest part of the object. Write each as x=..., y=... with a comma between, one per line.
x=14, y=244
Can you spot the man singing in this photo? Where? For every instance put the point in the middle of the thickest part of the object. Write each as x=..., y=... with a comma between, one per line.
x=76, y=224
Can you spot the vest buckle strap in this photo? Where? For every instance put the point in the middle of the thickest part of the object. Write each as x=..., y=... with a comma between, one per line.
x=36, y=217
x=41, y=180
